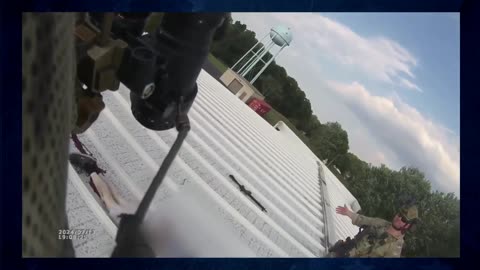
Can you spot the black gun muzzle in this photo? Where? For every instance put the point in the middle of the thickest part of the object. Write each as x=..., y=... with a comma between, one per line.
x=160, y=68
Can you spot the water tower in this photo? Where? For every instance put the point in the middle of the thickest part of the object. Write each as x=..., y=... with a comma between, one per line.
x=280, y=36
x=240, y=77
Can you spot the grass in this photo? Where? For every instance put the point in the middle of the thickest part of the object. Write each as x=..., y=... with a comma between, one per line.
x=273, y=117
x=217, y=63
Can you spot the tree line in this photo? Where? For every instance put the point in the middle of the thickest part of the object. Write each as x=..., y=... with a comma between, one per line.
x=379, y=189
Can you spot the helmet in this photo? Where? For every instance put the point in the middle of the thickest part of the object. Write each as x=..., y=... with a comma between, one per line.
x=410, y=213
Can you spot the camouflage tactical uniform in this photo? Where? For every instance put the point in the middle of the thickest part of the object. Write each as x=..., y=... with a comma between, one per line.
x=377, y=243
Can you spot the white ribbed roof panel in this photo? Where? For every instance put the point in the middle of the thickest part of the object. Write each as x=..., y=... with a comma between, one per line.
x=227, y=137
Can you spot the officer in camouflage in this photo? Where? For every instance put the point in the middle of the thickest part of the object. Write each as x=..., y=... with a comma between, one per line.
x=381, y=238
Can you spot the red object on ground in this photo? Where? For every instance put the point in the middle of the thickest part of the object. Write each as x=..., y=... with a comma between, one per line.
x=259, y=106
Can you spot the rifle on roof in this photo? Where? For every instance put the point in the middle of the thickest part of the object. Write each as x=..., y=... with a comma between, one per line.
x=248, y=193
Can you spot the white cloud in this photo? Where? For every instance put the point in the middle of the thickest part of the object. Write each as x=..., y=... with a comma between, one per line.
x=381, y=129
x=380, y=157
x=410, y=85
x=414, y=139
x=316, y=35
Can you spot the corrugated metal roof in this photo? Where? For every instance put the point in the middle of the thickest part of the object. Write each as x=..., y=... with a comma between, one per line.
x=227, y=137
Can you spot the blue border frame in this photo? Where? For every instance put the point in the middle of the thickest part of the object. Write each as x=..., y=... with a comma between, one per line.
x=245, y=5
x=10, y=135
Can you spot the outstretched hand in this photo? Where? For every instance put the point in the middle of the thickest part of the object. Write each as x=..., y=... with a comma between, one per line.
x=343, y=210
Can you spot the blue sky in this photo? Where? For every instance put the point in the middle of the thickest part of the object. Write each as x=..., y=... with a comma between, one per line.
x=390, y=79
x=434, y=39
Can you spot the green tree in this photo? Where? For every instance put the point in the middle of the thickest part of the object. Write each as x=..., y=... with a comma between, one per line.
x=438, y=233
x=380, y=192
x=329, y=141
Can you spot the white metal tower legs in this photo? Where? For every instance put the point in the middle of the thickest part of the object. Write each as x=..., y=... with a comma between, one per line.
x=257, y=58
x=251, y=59
x=249, y=51
x=280, y=36
x=245, y=55
x=266, y=65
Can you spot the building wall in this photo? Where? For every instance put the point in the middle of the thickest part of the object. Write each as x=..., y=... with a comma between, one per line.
x=228, y=78
x=239, y=86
